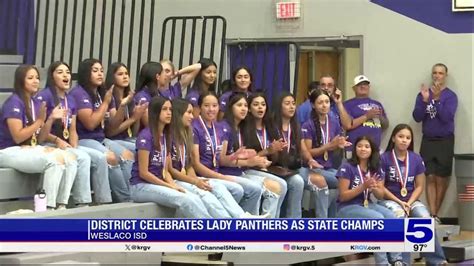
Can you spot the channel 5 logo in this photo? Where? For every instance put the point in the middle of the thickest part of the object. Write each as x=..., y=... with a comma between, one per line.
x=419, y=230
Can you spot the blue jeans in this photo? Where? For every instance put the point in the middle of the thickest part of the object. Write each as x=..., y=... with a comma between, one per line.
x=326, y=197
x=271, y=202
x=219, y=202
x=418, y=210
x=81, y=190
x=187, y=203
x=119, y=175
x=39, y=160
x=128, y=143
x=291, y=207
x=374, y=211
x=99, y=175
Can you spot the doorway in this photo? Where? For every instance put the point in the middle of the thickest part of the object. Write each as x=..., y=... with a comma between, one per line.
x=340, y=59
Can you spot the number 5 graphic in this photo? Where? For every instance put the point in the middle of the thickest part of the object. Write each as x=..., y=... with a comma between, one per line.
x=419, y=225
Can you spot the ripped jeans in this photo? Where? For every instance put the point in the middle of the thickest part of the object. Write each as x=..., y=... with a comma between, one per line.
x=119, y=175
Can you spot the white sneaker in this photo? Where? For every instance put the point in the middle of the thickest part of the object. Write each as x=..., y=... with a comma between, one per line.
x=61, y=207
x=247, y=215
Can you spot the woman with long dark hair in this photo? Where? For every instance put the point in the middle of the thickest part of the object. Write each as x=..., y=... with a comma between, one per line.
x=204, y=82
x=94, y=105
x=22, y=119
x=404, y=183
x=241, y=82
x=123, y=120
x=322, y=136
x=151, y=180
x=215, y=196
x=63, y=132
x=358, y=178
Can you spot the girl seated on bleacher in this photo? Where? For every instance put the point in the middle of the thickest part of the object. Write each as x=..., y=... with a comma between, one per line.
x=404, y=183
x=204, y=82
x=151, y=180
x=185, y=76
x=125, y=118
x=94, y=105
x=358, y=178
x=21, y=120
x=206, y=155
x=215, y=196
x=62, y=132
x=322, y=136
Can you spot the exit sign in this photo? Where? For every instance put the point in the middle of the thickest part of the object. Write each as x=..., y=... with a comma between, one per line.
x=287, y=10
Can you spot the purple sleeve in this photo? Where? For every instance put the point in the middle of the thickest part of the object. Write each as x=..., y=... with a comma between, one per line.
x=72, y=105
x=177, y=90
x=345, y=171
x=192, y=97
x=13, y=109
x=419, y=111
x=447, y=107
x=420, y=165
x=224, y=99
x=82, y=100
x=306, y=132
x=195, y=135
x=144, y=141
x=141, y=97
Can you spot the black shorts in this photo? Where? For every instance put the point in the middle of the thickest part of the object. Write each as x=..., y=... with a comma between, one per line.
x=438, y=155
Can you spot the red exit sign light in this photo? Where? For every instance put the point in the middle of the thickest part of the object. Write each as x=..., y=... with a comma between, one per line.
x=287, y=10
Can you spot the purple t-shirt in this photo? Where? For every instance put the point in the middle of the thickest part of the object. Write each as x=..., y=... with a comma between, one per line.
x=437, y=116
x=224, y=99
x=350, y=172
x=14, y=107
x=176, y=156
x=172, y=92
x=46, y=95
x=142, y=97
x=155, y=159
x=357, y=107
x=226, y=170
x=202, y=139
x=193, y=96
x=392, y=179
x=308, y=131
x=84, y=101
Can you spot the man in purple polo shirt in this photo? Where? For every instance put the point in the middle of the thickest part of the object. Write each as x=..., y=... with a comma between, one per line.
x=435, y=107
x=369, y=117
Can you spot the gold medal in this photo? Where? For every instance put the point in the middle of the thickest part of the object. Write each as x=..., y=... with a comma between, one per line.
x=102, y=124
x=163, y=174
x=129, y=131
x=326, y=155
x=366, y=203
x=214, y=161
x=403, y=192
x=183, y=171
x=34, y=141
x=66, y=133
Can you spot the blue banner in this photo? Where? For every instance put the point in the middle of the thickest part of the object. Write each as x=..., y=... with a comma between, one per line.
x=185, y=230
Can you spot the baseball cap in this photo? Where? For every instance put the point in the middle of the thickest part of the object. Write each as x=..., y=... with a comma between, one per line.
x=359, y=79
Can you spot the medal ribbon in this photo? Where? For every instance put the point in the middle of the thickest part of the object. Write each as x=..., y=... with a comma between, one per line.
x=404, y=178
x=183, y=156
x=66, y=119
x=366, y=191
x=213, y=148
x=163, y=153
x=325, y=132
x=264, y=136
x=288, y=138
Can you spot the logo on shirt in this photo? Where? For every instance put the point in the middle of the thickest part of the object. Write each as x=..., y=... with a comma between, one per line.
x=431, y=110
x=40, y=97
x=143, y=141
x=16, y=110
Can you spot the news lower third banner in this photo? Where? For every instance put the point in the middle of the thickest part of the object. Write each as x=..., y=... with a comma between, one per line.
x=217, y=235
